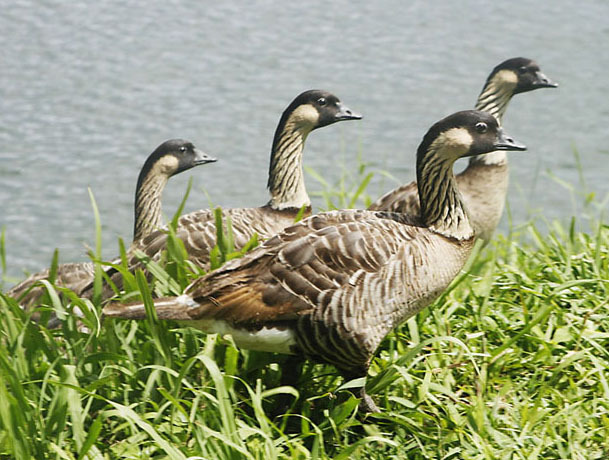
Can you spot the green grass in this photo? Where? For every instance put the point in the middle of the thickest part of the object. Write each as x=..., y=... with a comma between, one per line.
x=511, y=363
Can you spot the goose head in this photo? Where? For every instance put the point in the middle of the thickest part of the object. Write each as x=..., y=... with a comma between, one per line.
x=314, y=109
x=461, y=134
x=466, y=133
x=175, y=156
x=521, y=74
x=169, y=158
x=310, y=110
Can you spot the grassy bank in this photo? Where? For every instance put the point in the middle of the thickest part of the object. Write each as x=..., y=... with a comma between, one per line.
x=511, y=363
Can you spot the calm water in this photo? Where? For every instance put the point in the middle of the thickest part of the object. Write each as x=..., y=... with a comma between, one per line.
x=89, y=89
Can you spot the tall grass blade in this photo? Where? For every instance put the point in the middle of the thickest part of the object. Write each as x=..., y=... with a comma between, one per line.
x=97, y=282
x=133, y=418
x=180, y=210
x=3, y=251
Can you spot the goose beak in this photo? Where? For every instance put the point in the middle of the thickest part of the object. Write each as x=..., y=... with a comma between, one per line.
x=202, y=158
x=541, y=81
x=506, y=142
x=345, y=113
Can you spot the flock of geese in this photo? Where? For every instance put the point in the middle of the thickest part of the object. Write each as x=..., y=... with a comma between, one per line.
x=331, y=286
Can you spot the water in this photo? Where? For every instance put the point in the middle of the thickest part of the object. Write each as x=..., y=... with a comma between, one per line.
x=88, y=89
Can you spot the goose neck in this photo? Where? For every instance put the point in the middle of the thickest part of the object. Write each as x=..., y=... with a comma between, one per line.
x=286, y=177
x=148, y=215
x=442, y=207
x=494, y=99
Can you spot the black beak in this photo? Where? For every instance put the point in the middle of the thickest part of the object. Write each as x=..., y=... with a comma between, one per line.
x=541, y=81
x=345, y=113
x=506, y=142
x=202, y=158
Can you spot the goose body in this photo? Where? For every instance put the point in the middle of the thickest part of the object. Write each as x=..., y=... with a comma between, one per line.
x=168, y=159
x=310, y=110
x=484, y=183
x=330, y=287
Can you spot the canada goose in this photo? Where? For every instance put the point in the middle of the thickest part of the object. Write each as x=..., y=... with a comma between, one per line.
x=310, y=110
x=484, y=183
x=170, y=158
x=330, y=287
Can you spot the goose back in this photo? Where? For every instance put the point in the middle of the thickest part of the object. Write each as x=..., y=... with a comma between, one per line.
x=198, y=232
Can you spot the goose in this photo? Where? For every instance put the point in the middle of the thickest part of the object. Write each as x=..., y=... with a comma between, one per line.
x=330, y=287
x=484, y=182
x=310, y=110
x=168, y=159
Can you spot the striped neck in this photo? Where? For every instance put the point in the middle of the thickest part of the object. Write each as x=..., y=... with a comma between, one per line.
x=494, y=99
x=148, y=215
x=442, y=208
x=286, y=178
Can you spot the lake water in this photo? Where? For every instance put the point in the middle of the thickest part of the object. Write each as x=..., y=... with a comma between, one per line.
x=89, y=89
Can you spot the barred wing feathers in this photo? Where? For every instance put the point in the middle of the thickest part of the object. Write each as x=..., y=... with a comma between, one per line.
x=350, y=270
x=404, y=199
x=76, y=276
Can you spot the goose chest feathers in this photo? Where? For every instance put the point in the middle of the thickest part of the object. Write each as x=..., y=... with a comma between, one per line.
x=484, y=182
x=330, y=287
x=168, y=159
x=311, y=110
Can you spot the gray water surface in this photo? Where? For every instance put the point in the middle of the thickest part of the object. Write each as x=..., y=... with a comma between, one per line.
x=89, y=89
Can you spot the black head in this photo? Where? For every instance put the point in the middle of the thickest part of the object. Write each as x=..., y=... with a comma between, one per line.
x=525, y=73
x=175, y=156
x=466, y=133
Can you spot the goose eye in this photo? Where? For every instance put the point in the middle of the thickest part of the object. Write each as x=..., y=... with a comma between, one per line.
x=481, y=127
x=322, y=101
x=183, y=149
x=522, y=70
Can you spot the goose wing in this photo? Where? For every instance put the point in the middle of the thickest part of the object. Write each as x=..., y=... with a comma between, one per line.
x=75, y=276
x=403, y=199
x=291, y=274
